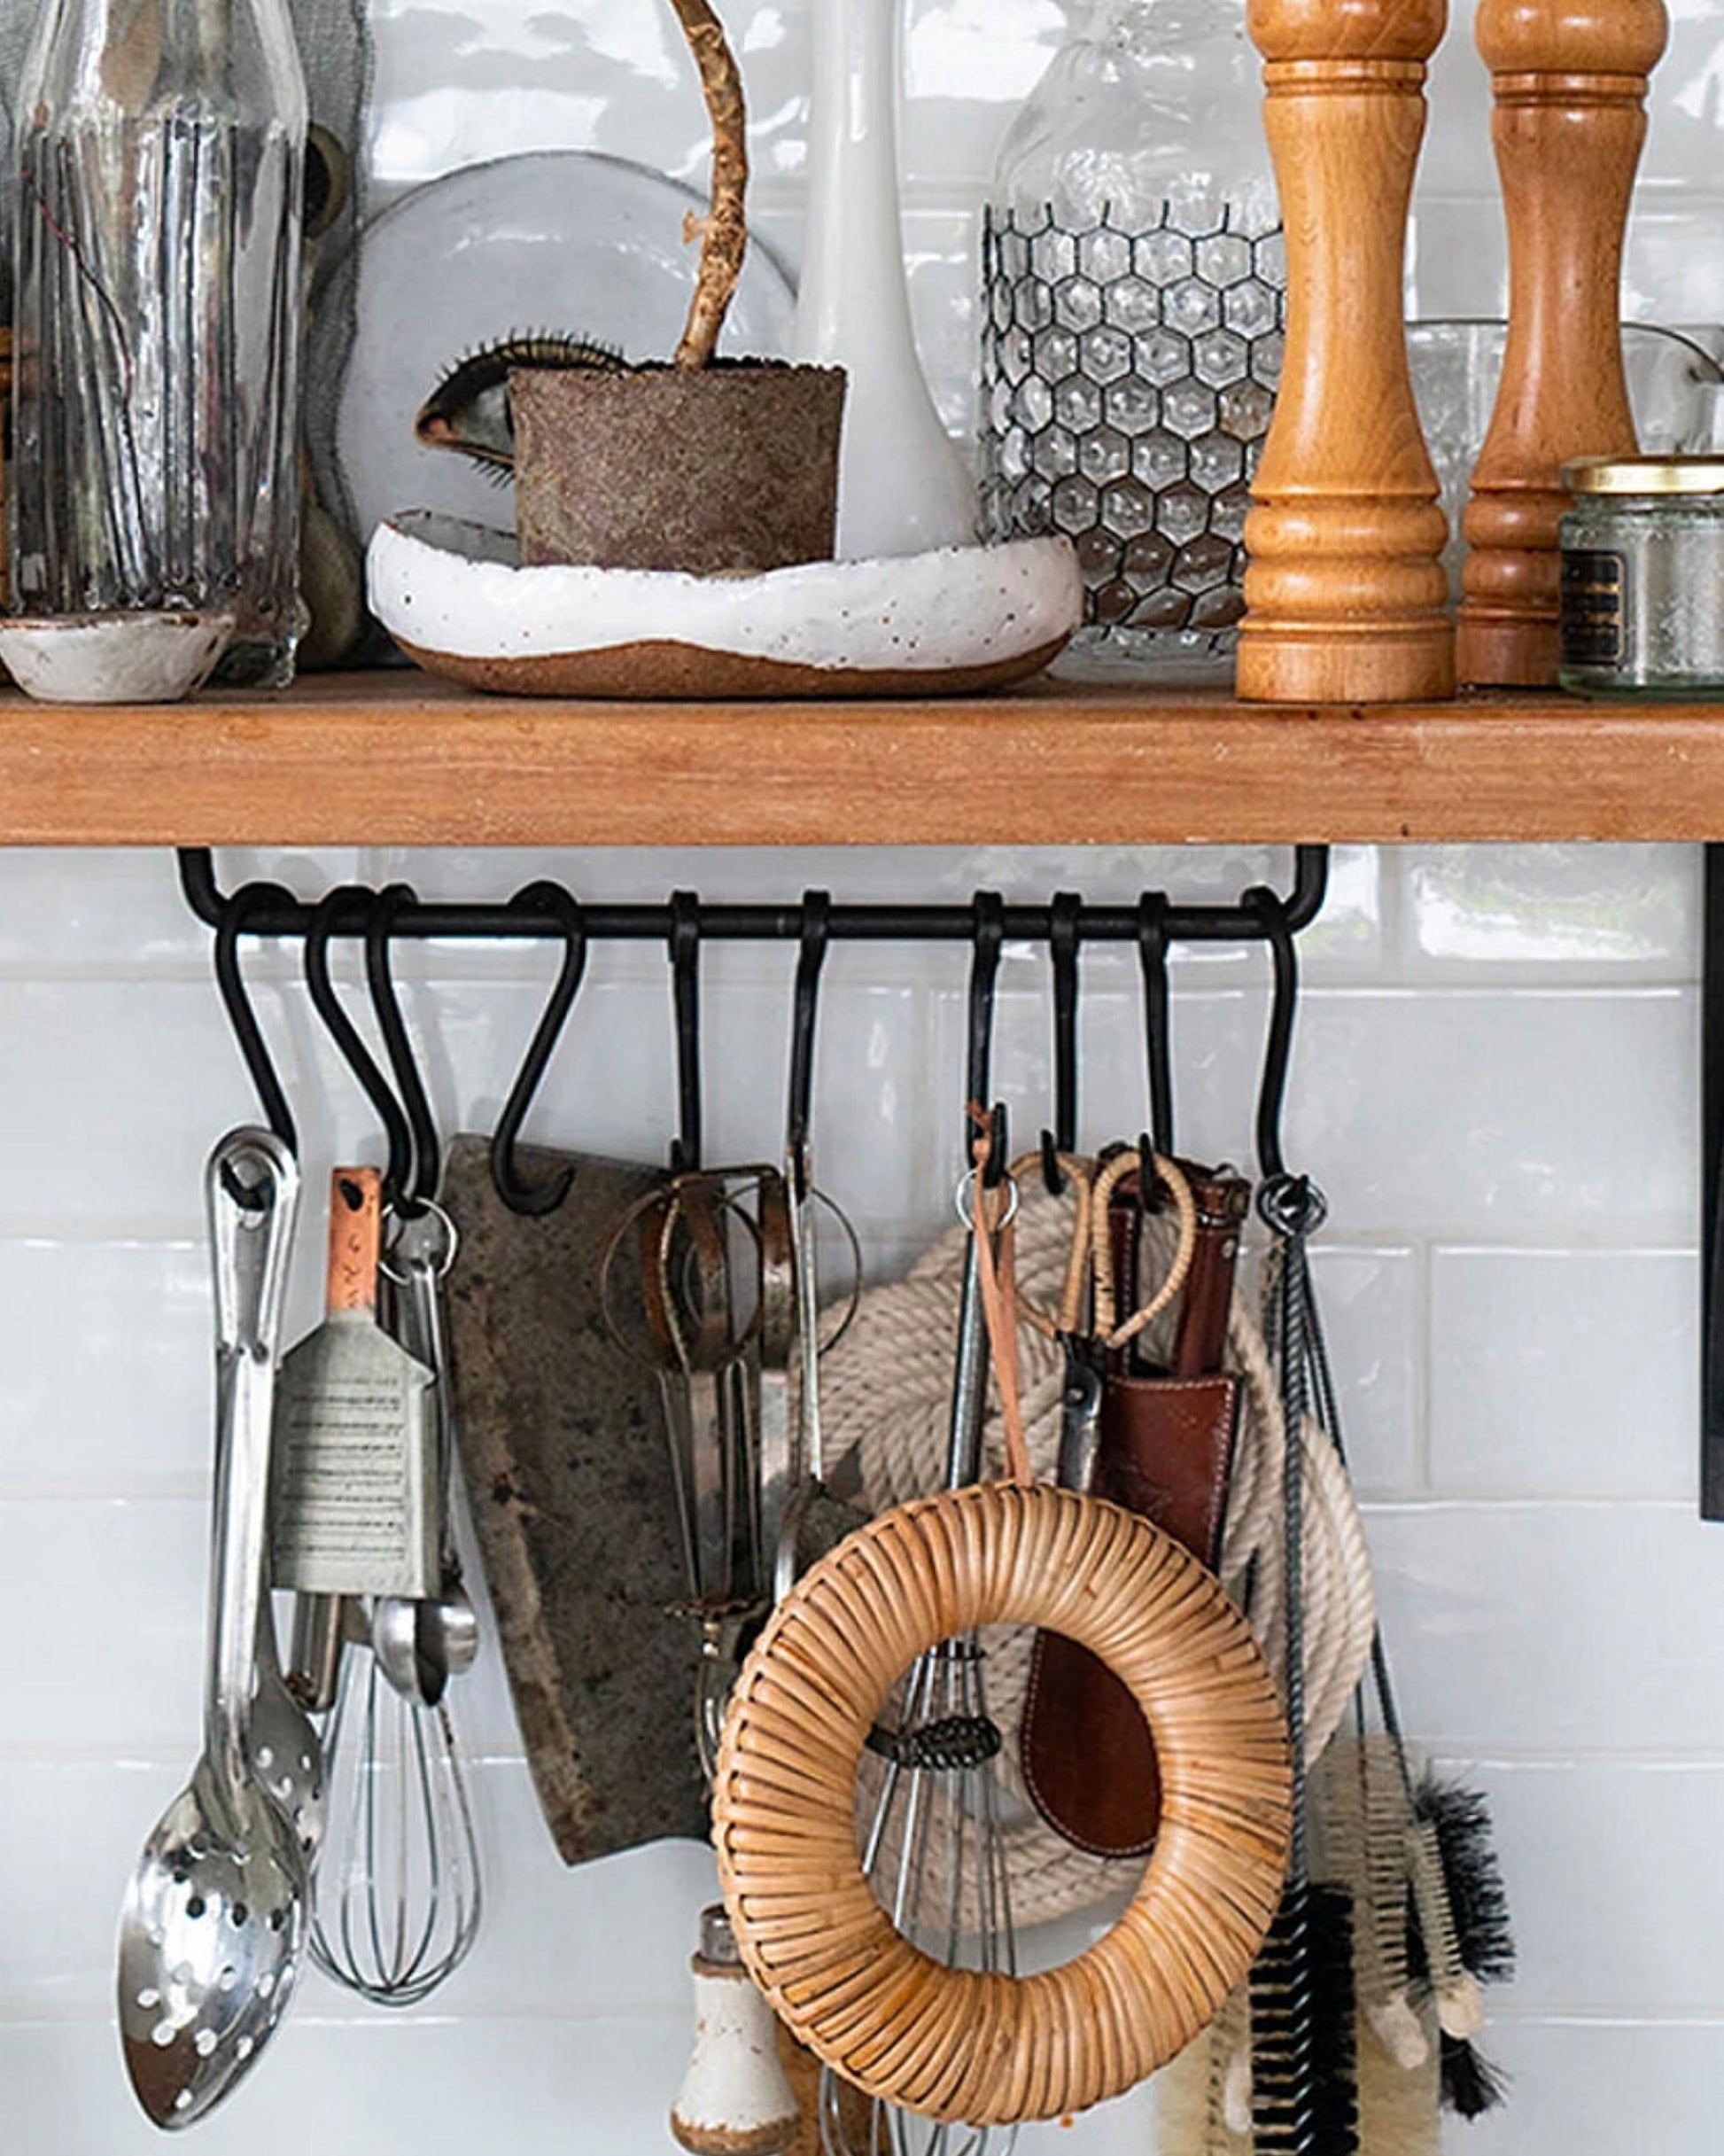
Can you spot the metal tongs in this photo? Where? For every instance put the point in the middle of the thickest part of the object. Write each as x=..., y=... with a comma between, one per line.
x=711, y=1281
x=705, y=1333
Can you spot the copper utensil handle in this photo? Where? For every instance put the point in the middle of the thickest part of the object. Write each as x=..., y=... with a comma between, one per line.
x=355, y=1238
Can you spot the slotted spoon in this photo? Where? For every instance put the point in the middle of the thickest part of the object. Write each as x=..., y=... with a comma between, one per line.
x=211, y=1933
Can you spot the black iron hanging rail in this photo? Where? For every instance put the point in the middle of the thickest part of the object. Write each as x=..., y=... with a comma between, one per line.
x=277, y=912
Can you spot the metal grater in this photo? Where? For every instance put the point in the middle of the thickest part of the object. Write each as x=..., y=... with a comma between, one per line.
x=353, y=1507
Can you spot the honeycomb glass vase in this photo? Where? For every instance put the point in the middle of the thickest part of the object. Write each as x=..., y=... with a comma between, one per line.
x=1133, y=316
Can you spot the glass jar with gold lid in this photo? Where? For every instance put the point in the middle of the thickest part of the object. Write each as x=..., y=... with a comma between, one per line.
x=1643, y=577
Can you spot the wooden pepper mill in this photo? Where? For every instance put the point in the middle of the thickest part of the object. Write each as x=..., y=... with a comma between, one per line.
x=1571, y=116
x=1345, y=591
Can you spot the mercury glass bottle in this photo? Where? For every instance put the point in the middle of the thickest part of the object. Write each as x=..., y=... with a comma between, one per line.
x=1133, y=327
x=160, y=154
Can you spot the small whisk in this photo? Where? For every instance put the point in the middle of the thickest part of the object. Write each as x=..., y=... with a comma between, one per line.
x=398, y=1896
x=933, y=1850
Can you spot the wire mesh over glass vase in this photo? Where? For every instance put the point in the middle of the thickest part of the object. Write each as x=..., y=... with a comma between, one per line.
x=1133, y=316
x=159, y=160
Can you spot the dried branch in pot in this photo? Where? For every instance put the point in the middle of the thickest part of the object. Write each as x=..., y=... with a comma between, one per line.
x=723, y=232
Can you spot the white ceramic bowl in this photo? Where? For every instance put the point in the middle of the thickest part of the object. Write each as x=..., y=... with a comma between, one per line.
x=113, y=658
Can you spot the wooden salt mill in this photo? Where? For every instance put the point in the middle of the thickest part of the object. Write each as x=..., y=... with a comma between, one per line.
x=1345, y=595
x=1571, y=116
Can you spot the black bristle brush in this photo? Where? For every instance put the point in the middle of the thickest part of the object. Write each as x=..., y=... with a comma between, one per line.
x=1461, y=1937
x=1304, y=2063
x=1459, y=1907
x=1304, y=2081
x=1476, y=1892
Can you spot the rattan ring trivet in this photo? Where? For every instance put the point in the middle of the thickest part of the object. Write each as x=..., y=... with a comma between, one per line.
x=959, y=2044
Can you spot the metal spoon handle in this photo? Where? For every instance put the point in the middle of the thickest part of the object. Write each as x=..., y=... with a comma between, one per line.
x=251, y=1189
x=418, y=1267
x=420, y=1328
x=970, y=1385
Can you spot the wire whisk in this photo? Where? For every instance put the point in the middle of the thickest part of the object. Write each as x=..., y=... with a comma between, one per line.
x=933, y=1849
x=936, y=1857
x=396, y=1896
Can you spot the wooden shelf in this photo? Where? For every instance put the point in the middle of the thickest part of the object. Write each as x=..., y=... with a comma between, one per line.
x=394, y=758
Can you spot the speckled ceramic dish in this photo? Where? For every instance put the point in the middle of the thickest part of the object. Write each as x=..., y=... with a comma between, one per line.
x=951, y=623
x=113, y=658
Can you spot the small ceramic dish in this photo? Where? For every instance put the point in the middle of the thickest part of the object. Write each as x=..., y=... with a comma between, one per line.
x=113, y=658
x=951, y=623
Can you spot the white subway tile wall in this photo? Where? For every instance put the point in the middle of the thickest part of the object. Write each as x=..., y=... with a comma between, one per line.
x=1495, y=1079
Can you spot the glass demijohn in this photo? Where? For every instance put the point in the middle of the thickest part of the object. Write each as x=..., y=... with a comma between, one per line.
x=1133, y=322
x=160, y=149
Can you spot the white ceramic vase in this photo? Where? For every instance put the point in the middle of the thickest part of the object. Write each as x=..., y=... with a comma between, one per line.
x=904, y=486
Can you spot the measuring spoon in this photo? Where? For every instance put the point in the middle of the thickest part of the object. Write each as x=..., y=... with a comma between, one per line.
x=421, y=1643
x=213, y=1923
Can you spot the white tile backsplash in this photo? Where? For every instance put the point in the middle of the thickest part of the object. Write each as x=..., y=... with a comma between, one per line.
x=1495, y=1078
x=1604, y=2087
x=56, y=917
x=1615, y=913
x=1554, y=1627
x=128, y=1406
x=1573, y=1371
x=1436, y=1105
x=1372, y=1313
x=426, y=2085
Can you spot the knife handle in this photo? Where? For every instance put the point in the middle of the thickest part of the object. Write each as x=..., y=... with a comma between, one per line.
x=1223, y=1202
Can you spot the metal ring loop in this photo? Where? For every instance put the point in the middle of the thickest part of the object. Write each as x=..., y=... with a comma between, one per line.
x=400, y=1229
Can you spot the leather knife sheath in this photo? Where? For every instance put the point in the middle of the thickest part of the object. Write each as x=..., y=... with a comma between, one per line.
x=1165, y=1450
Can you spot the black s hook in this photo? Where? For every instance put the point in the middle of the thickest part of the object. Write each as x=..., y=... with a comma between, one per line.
x=816, y=926
x=1063, y=937
x=512, y=1187
x=398, y=1177
x=422, y=1125
x=1152, y=910
x=684, y=948
x=230, y=982
x=1271, y=910
x=987, y=938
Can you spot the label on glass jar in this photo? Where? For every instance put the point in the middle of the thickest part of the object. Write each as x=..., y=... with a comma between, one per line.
x=1594, y=607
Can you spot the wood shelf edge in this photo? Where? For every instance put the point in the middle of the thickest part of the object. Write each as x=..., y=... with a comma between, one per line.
x=393, y=759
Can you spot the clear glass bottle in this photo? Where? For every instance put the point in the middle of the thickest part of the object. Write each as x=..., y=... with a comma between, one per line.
x=161, y=151
x=1134, y=312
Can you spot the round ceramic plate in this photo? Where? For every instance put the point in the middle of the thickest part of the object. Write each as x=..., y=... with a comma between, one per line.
x=561, y=241
x=949, y=623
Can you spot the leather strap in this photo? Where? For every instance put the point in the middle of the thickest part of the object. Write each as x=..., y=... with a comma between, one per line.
x=998, y=1278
